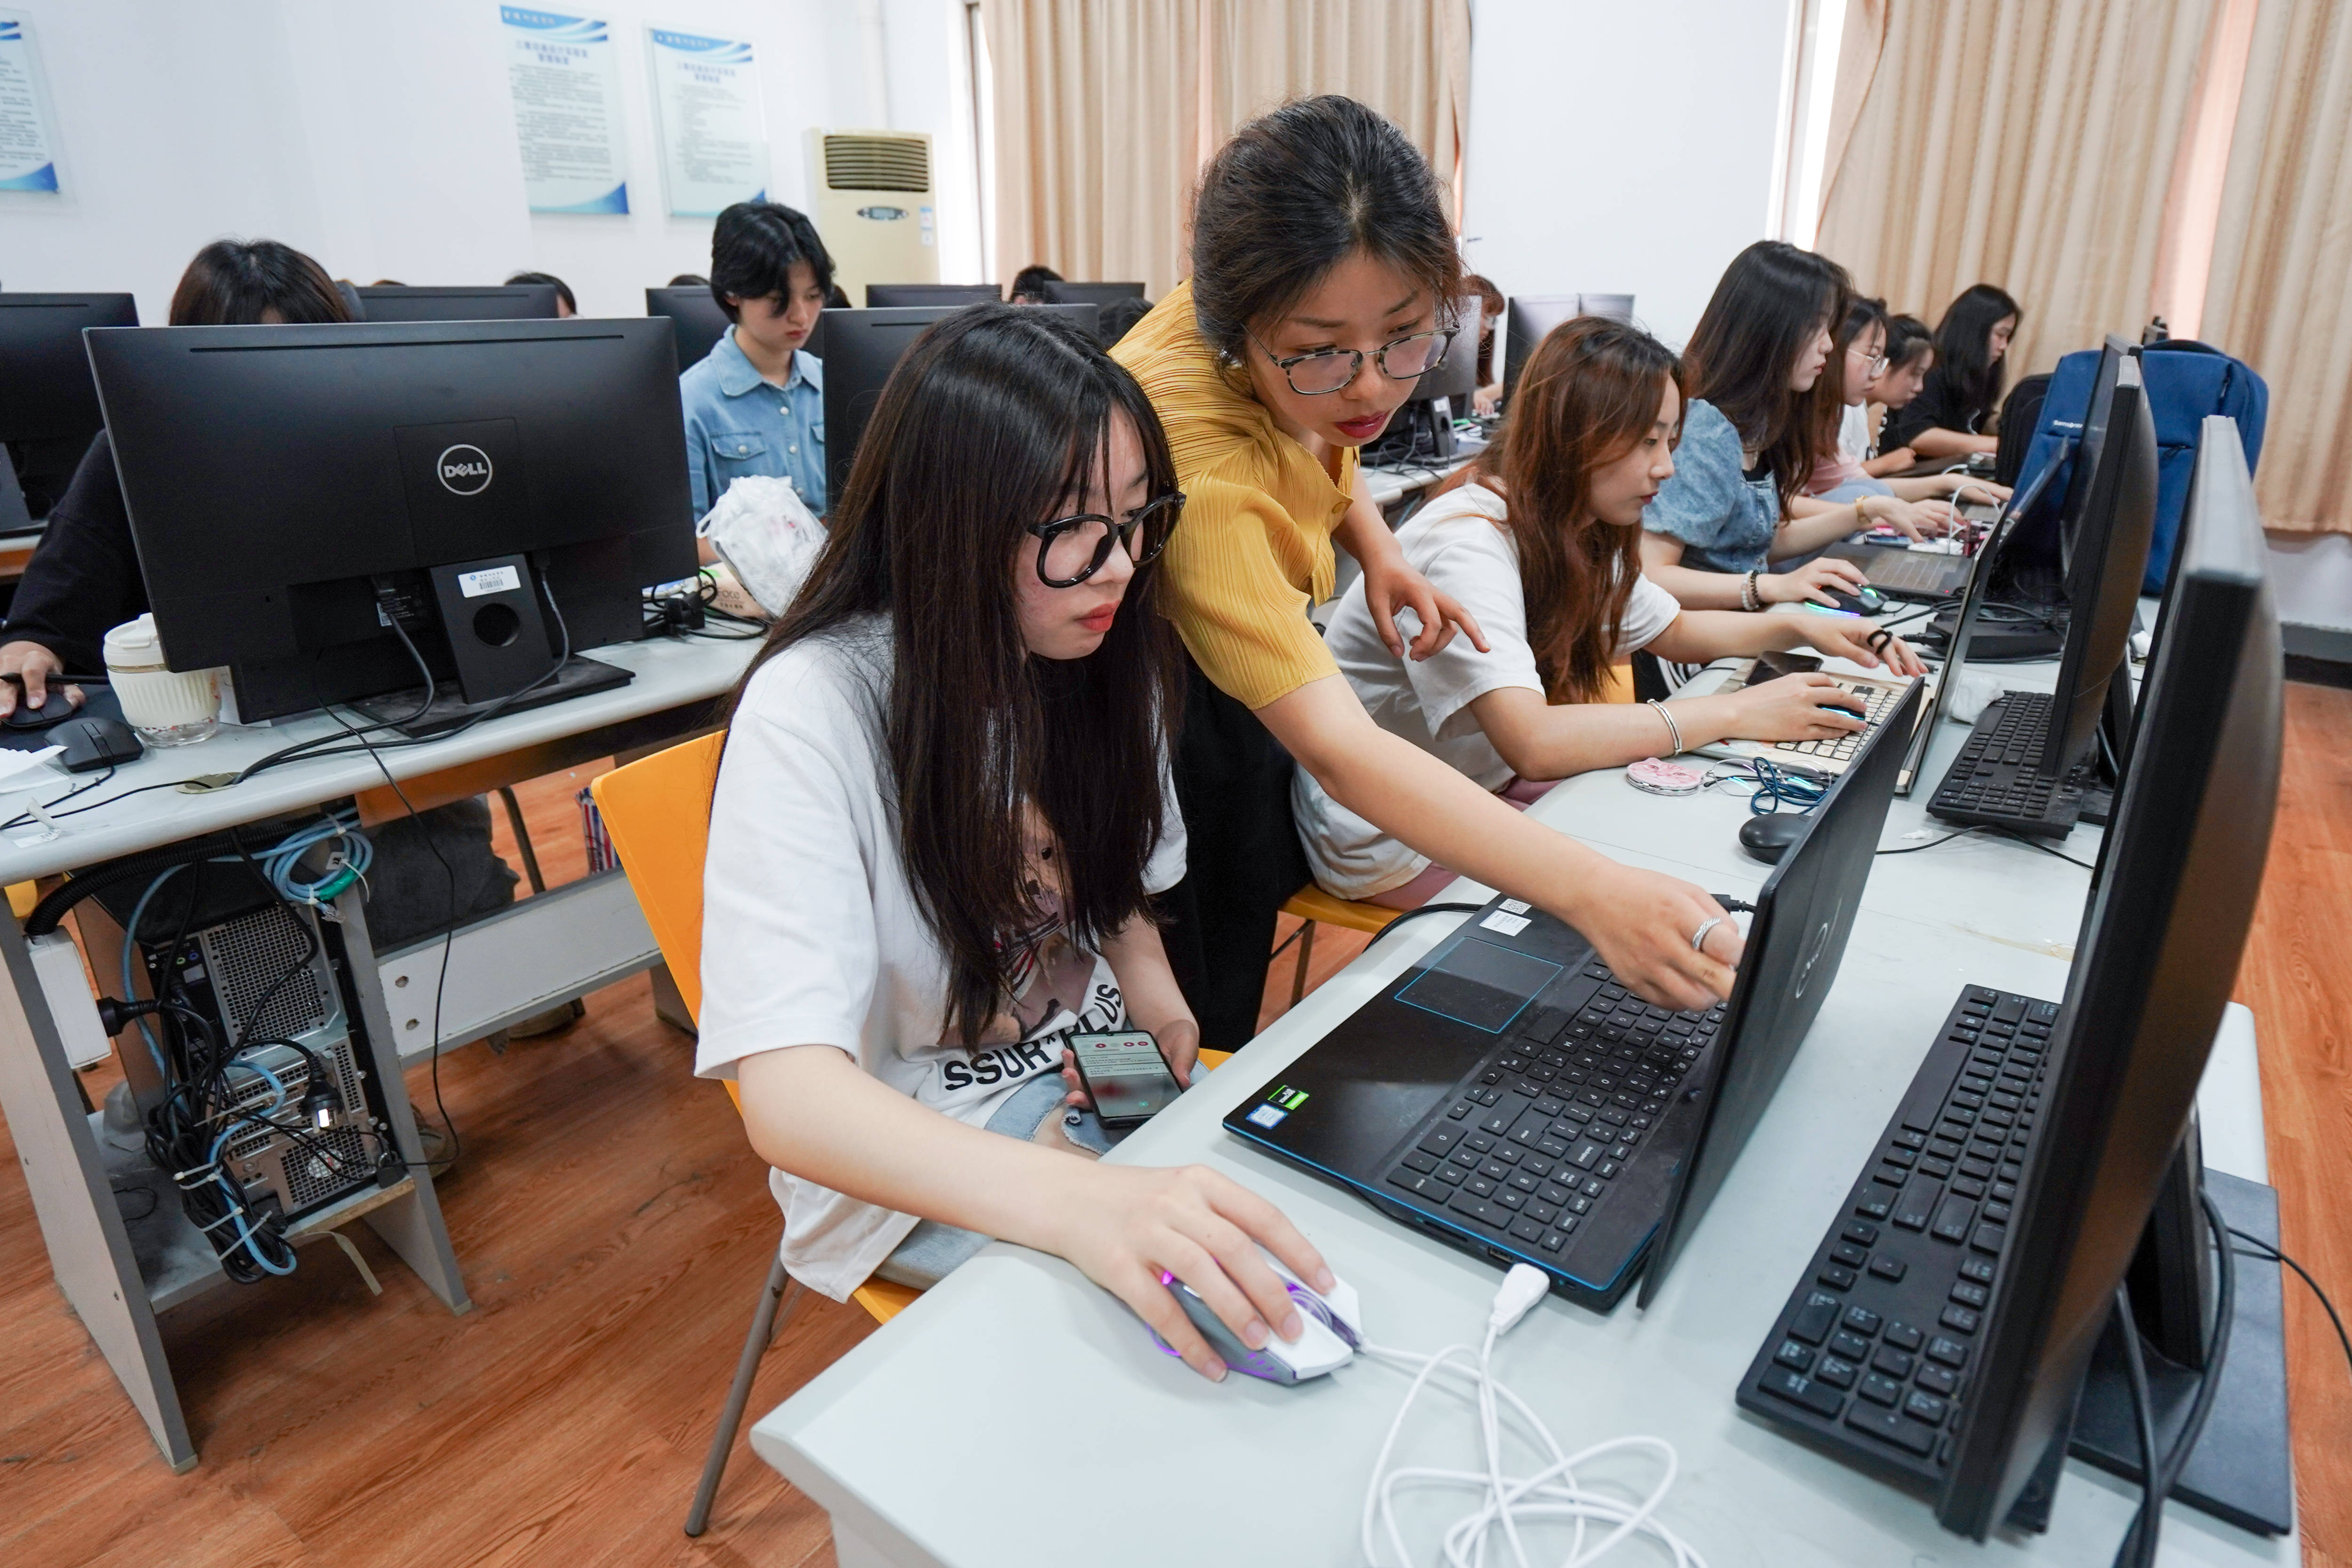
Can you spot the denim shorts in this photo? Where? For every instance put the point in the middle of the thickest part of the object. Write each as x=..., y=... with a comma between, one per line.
x=931, y=1250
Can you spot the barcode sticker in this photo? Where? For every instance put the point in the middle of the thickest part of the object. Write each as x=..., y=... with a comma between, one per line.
x=1509, y=925
x=489, y=580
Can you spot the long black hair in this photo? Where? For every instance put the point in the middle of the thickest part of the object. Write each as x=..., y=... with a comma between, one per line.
x=1768, y=306
x=237, y=282
x=1964, y=348
x=1828, y=396
x=1295, y=193
x=752, y=247
x=993, y=420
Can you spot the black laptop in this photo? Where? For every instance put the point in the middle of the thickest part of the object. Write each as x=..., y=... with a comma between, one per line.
x=1508, y=1096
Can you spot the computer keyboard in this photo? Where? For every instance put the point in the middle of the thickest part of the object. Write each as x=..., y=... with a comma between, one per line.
x=1872, y=1354
x=1997, y=780
x=1554, y=1115
x=1913, y=572
x=1876, y=702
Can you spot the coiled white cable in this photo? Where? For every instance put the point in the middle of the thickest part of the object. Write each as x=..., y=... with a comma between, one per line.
x=1552, y=1493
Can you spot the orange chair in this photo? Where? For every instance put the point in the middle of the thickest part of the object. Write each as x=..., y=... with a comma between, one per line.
x=657, y=811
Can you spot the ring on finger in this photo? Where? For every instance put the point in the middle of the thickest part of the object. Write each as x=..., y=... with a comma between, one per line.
x=1698, y=937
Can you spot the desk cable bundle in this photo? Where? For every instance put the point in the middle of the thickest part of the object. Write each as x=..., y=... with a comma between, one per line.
x=1552, y=1494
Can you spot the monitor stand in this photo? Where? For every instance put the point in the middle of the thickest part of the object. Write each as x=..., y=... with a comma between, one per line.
x=2100, y=774
x=399, y=710
x=2241, y=1470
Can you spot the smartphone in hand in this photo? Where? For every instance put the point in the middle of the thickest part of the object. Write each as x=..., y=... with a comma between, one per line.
x=1124, y=1074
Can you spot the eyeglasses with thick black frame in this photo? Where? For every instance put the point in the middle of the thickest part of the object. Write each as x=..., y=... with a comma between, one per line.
x=1075, y=547
x=1416, y=355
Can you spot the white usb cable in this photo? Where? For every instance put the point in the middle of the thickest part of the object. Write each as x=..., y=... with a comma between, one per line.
x=1552, y=1493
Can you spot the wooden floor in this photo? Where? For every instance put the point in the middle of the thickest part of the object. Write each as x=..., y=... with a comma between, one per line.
x=615, y=1230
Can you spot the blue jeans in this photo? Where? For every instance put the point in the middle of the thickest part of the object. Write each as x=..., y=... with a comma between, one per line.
x=932, y=1252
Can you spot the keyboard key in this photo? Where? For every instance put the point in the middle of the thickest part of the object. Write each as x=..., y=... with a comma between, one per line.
x=1959, y=1319
x=1450, y=1174
x=1979, y=1269
x=1836, y=1276
x=1553, y=1193
x=1814, y=1318
x=1969, y=1295
x=1952, y=1220
x=1460, y=1109
x=1847, y=1253
x=1523, y=1181
x=1441, y=1141
x=1903, y=1336
x=1996, y=1213
x=1793, y=1355
x=1478, y=1143
x=1889, y=1269
x=1861, y=1233
x=1799, y=1389
x=1849, y=1345
x=1836, y=1372
x=1880, y=1390
x=1988, y=1238
x=1933, y=1379
x=1417, y=1161
x=1555, y=1239
x=1951, y=1352
x=1862, y=1320
x=1891, y=1425
x=1419, y=1185
x=1968, y=1186
x=1587, y=1155
x=1874, y=1205
x=1894, y=1362
x=1479, y=1187
x=1509, y=1198
x=1527, y=1229
x=1607, y=1170
x=1540, y=1212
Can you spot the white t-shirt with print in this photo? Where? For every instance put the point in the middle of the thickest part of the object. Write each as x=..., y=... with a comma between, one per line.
x=1455, y=544
x=812, y=934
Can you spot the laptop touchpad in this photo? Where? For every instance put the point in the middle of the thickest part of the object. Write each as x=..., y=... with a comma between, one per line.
x=1479, y=983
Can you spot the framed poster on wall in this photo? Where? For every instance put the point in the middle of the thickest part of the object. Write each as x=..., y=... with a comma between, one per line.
x=28, y=144
x=714, y=141
x=565, y=75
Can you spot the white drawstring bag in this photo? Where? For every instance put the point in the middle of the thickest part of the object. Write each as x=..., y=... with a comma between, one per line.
x=767, y=536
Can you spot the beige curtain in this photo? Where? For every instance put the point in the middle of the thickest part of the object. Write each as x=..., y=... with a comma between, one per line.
x=2028, y=144
x=2277, y=294
x=1097, y=135
x=1408, y=58
x=1106, y=109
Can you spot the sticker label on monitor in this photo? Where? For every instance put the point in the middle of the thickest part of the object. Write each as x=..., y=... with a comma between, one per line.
x=489, y=580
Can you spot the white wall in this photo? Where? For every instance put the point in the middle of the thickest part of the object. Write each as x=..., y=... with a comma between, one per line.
x=381, y=139
x=1619, y=148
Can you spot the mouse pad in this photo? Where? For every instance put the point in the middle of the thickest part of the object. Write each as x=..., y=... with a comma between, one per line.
x=97, y=701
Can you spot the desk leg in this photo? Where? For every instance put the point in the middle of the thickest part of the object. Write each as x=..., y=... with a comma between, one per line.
x=412, y=1225
x=89, y=1249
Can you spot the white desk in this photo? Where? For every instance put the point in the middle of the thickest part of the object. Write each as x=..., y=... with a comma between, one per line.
x=543, y=950
x=915, y=1442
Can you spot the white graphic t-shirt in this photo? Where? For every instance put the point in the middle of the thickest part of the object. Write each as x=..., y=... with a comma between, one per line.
x=812, y=934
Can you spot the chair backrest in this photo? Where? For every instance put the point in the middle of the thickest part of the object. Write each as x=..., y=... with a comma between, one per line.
x=657, y=813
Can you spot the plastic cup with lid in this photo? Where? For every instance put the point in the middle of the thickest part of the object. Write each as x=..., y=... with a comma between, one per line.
x=168, y=707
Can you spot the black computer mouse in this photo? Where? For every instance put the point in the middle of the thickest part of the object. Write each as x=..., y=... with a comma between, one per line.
x=1861, y=602
x=1768, y=837
x=54, y=708
x=92, y=743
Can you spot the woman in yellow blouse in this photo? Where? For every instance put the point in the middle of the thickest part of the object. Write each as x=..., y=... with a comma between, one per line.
x=1323, y=276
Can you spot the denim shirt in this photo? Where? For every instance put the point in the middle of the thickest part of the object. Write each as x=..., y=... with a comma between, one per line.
x=1725, y=520
x=738, y=423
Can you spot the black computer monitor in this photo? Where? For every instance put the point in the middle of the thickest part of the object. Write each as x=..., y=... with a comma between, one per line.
x=285, y=483
x=501, y=302
x=2178, y=880
x=907, y=296
x=1060, y=293
x=700, y=323
x=2112, y=534
x=1457, y=377
x=49, y=404
x=1528, y=318
x=862, y=348
x=2091, y=443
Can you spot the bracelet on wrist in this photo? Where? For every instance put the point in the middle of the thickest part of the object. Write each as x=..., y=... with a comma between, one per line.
x=1752, y=597
x=1674, y=730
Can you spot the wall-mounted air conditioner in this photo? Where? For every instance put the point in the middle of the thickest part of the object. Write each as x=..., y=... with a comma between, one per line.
x=874, y=206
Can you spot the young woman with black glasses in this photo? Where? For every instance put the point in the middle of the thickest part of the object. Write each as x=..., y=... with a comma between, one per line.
x=1323, y=271
x=941, y=814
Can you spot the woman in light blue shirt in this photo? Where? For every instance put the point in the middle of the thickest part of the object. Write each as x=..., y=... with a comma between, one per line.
x=755, y=405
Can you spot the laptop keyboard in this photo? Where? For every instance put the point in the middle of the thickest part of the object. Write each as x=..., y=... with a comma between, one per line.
x=1539, y=1130
x=1872, y=1353
x=1876, y=702
x=1997, y=780
x=1911, y=571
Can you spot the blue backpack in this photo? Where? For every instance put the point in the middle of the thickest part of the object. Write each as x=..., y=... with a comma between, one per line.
x=2185, y=381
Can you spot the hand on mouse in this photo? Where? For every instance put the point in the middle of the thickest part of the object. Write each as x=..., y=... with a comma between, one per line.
x=1796, y=707
x=35, y=666
x=1129, y=1223
x=1841, y=638
x=1812, y=580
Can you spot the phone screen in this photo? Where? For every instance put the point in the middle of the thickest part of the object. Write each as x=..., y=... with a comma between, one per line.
x=1125, y=1075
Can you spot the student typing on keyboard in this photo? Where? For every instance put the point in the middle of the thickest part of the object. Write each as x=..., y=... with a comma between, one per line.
x=1543, y=549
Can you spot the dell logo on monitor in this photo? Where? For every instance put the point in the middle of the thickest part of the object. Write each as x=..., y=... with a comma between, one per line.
x=463, y=471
